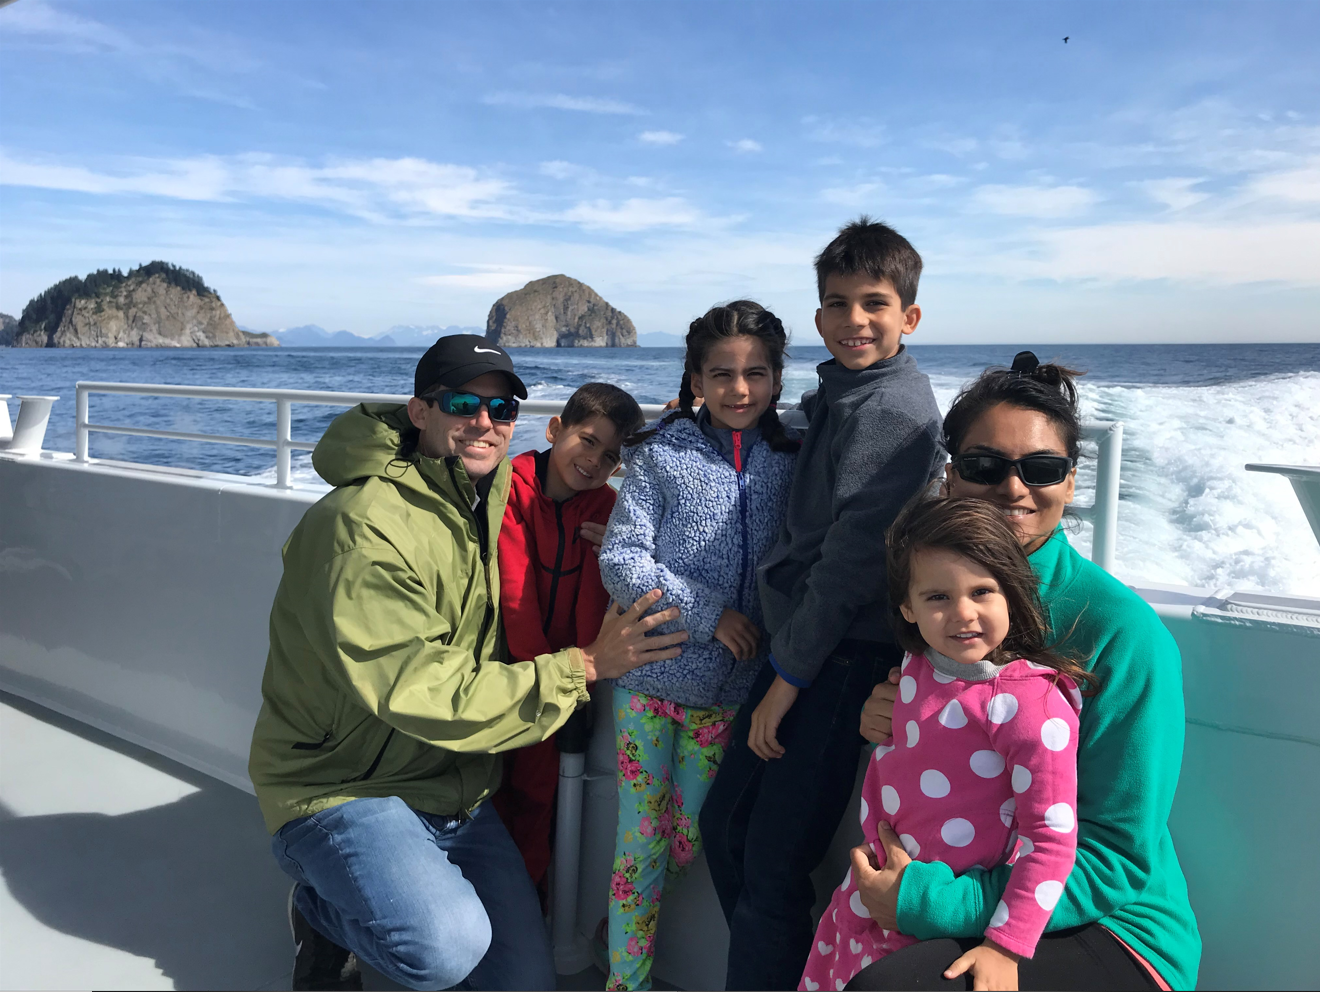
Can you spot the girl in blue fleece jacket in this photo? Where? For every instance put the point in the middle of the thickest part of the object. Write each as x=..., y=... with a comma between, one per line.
x=703, y=500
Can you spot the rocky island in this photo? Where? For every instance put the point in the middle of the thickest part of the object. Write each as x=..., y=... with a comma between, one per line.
x=558, y=312
x=157, y=305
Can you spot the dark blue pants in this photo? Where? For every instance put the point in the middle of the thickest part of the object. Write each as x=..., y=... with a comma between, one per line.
x=766, y=825
x=428, y=901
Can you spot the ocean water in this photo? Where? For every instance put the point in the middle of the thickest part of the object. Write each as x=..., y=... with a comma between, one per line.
x=1194, y=415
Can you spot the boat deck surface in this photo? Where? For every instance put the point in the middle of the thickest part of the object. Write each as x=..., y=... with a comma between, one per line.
x=125, y=870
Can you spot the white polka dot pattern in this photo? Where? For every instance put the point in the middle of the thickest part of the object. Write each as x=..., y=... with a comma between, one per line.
x=1007, y=811
x=1060, y=819
x=1002, y=708
x=947, y=762
x=1054, y=733
x=958, y=832
x=942, y=678
x=1047, y=894
x=934, y=784
x=855, y=904
x=889, y=799
x=1021, y=778
x=907, y=688
x=987, y=764
x=952, y=716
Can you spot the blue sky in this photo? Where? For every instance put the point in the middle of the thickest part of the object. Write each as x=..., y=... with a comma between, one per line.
x=359, y=165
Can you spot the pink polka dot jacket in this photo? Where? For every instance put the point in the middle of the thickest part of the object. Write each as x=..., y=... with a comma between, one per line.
x=979, y=772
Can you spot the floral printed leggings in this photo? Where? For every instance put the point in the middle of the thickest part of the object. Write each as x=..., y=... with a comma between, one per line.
x=668, y=755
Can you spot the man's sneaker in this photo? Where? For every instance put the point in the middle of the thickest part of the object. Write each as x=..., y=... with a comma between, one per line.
x=320, y=963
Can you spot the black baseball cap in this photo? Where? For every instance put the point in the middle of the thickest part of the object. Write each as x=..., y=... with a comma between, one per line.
x=460, y=358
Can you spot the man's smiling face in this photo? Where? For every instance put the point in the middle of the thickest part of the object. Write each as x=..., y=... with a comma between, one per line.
x=479, y=442
x=862, y=319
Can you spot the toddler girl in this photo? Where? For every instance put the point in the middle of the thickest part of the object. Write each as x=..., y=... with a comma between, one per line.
x=703, y=500
x=982, y=767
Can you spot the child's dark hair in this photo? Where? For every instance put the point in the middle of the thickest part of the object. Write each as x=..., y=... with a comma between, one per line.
x=600, y=399
x=976, y=530
x=731, y=320
x=1048, y=389
x=877, y=249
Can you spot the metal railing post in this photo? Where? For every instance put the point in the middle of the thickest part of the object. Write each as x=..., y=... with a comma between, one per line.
x=1104, y=540
x=283, y=435
x=80, y=442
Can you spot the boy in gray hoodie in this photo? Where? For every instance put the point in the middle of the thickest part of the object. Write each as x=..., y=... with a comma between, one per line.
x=872, y=442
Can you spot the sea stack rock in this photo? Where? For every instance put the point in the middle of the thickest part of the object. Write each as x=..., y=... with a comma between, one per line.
x=154, y=306
x=558, y=312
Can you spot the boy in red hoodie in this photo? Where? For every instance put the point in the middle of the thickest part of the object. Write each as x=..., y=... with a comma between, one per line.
x=551, y=596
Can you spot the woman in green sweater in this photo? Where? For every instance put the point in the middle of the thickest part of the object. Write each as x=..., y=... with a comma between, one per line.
x=1124, y=921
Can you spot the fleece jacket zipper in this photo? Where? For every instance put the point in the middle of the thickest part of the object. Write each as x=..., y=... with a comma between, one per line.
x=559, y=564
x=742, y=516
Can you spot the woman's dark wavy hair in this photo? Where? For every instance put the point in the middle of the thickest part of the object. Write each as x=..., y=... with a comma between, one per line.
x=1047, y=389
x=976, y=530
x=731, y=320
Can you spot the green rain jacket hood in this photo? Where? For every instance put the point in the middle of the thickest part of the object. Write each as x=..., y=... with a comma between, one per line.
x=385, y=675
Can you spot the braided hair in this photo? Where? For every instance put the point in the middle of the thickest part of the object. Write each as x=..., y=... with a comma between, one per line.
x=741, y=318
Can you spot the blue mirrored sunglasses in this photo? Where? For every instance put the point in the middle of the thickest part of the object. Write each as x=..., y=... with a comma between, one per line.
x=502, y=409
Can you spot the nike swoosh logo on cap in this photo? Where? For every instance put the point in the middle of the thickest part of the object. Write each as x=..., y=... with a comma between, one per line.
x=486, y=351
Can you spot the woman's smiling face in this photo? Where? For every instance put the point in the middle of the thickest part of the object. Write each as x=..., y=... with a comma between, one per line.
x=1013, y=432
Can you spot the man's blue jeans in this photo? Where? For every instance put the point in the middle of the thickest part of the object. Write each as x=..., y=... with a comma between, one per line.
x=426, y=900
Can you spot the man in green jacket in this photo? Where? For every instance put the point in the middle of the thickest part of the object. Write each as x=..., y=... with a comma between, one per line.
x=386, y=698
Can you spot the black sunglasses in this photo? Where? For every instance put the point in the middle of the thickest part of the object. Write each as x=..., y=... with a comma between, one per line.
x=1034, y=470
x=502, y=409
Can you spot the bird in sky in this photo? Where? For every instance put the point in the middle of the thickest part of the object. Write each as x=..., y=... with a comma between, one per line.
x=1065, y=38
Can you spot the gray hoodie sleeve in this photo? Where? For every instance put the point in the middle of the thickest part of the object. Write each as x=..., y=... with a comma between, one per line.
x=884, y=460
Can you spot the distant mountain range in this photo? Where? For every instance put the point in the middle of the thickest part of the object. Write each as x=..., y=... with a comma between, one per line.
x=399, y=336
x=413, y=336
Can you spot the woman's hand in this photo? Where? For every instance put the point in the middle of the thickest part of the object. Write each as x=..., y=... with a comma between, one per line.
x=878, y=887
x=738, y=634
x=778, y=700
x=992, y=967
x=878, y=711
x=622, y=644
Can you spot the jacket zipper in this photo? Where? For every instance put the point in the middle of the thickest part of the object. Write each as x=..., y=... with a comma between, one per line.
x=554, y=576
x=485, y=565
x=742, y=516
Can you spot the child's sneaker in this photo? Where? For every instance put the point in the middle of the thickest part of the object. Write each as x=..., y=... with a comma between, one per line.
x=320, y=963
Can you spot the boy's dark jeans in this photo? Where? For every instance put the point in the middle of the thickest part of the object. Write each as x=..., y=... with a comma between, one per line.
x=767, y=824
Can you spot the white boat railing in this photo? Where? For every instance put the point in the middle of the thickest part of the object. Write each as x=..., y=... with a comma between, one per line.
x=1102, y=513
x=283, y=443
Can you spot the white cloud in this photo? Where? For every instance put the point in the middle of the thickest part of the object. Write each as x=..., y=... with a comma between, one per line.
x=1176, y=193
x=494, y=278
x=859, y=133
x=745, y=145
x=1034, y=201
x=365, y=187
x=561, y=101
x=659, y=138
x=43, y=21
x=859, y=195
x=634, y=214
x=560, y=169
x=1190, y=252
x=1301, y=186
